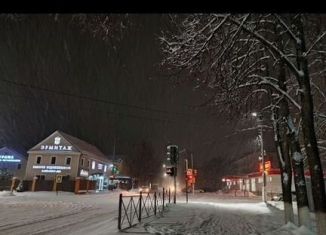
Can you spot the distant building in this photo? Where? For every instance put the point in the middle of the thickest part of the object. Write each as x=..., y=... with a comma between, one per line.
x=68, y=156
x=12, y=164
x=253, y=182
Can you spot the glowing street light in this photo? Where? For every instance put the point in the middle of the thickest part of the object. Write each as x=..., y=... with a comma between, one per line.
x=262, y=152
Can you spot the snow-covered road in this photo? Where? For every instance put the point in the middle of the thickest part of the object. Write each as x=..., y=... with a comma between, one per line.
x=209, y=214
x=206, y=213
x=46, y=213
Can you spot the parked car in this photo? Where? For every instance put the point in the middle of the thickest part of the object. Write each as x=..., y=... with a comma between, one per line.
x=277, y=197
x=199, y=190
x=144, y=189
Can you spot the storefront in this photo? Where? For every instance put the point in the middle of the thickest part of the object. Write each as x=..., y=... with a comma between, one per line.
x=68, y=156
x=12, y=164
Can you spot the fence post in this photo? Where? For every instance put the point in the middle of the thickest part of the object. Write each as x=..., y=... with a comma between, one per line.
x=140, y=202
x=163, y=199
x=154, y=203
x=169, y=195
x=119, y=216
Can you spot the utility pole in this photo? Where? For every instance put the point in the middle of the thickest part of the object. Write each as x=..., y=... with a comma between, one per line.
x=263, y=163
x=260, y=126
x=192, y=167
x=186, y=177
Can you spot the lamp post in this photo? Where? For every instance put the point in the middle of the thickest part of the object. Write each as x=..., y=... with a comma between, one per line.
x=260, y=126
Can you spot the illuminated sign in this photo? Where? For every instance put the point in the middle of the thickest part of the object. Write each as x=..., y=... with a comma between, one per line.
x=8, y=158
x=57, y=140
x=83, y=173
x=51, y=169
x=57, y=147
x=268, y=166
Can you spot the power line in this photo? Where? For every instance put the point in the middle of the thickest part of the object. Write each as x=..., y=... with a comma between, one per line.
x=90, y=98
x=108, y=112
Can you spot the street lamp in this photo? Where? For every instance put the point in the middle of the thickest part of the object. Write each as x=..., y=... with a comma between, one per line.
x=260, y=126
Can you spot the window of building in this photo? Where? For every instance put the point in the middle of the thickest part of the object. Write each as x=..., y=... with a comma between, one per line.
x=82, y=162
x=40, y=177
x=88, y=163
x=53, y=160
x=99, y=166
x=93, y=165
x=19, y=166
x=260, y=180
x=38, y=159
x=68, y=160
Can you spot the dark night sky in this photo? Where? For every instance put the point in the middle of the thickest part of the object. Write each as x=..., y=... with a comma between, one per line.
x=53, y=75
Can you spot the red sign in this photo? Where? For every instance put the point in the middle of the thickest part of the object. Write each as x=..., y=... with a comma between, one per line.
x=268, y=166
x=189, y=172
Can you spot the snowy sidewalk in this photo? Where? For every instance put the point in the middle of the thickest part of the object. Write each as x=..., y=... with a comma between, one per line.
x=216, y=218
x=210, y=214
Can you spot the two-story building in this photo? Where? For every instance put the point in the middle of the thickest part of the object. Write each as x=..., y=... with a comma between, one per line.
x=66, y=155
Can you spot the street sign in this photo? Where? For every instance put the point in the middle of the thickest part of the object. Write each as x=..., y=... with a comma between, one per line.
x=58, y=179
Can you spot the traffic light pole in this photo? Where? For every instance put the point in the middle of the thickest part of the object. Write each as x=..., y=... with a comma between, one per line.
x=186, y=169
x=192, y=167
x=175, y=187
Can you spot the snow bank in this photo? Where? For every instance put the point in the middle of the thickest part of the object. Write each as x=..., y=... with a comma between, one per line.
x=6, y=193
x=289, y=229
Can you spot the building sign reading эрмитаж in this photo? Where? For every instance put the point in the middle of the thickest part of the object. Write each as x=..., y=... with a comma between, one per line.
x=56, y=146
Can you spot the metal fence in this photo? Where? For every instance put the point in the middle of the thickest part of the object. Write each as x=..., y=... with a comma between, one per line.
x=134, y=208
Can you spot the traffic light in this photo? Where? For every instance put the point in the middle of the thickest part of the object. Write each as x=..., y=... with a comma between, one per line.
x=173, y=154
x=171, y=170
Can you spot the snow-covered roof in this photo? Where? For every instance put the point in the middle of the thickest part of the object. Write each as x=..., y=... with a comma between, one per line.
x=78, y=145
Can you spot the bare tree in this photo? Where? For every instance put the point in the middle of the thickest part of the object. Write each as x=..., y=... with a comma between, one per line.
x=203, y=44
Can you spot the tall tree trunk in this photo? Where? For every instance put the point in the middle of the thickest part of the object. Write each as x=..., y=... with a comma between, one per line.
x=282, y=145
x=291, y=141
x=299, y=178
x=308, y=130
x=285, y=168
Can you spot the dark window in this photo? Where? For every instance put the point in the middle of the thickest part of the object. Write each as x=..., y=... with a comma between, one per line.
x=40, y=177
x=66, y=177
x=53, y=160
x=68, y=160
x=88, y=163
x=19, y=166
x=82, y=162
x=38, y=160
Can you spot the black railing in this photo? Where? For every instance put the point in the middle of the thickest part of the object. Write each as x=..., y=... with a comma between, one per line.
x=133, y=208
